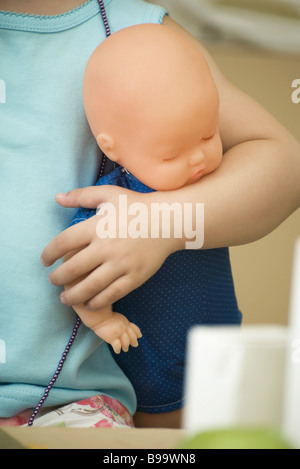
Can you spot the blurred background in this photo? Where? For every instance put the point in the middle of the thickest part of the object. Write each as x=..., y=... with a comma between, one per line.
x=256, y=44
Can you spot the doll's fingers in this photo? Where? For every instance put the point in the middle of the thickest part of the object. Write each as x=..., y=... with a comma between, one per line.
x=136, y=330
x=125, y=341
x=133, y=337
x=117, y=346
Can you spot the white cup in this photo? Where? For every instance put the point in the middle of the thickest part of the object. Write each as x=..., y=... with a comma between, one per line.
x=234, y=377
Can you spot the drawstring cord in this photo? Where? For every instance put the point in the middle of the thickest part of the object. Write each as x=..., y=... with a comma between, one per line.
x=78, y=322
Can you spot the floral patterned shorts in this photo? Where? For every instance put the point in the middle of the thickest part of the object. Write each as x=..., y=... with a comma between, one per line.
x=98, y=411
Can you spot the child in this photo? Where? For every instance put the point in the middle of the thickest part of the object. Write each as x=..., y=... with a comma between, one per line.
x=45, y=140
x=237, y=209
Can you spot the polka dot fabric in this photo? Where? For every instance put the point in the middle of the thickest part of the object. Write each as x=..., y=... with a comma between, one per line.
x=192, y=287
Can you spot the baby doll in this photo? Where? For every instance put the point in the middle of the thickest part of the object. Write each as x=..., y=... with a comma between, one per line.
x=152, y=106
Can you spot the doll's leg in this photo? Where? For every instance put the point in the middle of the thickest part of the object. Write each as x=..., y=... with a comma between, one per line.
x=111, y=326
x=114, y=328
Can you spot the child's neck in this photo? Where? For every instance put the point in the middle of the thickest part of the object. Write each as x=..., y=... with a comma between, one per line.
x=36, y=7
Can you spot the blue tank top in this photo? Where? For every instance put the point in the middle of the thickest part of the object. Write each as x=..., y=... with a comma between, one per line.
x=192, y=287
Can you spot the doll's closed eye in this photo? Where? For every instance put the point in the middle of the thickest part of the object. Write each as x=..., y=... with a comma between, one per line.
x=171, y=158
x=208, y=138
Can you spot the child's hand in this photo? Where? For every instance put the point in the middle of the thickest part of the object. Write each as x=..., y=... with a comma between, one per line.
x=114, y=266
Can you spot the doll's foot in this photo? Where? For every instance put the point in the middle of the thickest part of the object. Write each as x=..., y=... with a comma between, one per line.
x=118, y=332
x=129, y=337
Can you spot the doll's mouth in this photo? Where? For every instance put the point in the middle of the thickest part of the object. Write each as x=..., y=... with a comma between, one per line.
x=198, y=174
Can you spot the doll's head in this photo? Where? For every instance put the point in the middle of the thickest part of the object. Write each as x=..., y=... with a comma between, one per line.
x=153, y=106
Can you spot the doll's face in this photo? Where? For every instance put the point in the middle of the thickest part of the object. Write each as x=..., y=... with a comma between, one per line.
x=179, y=161
x=154, y=107
x=171, y=150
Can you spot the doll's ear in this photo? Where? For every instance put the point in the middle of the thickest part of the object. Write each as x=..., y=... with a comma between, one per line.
x=107, y=145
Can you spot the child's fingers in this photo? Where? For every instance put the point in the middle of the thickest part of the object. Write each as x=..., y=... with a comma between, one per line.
x=97, y=280
x=89, y=197
x=82, y=262
x=72, y=238
x=121, y=286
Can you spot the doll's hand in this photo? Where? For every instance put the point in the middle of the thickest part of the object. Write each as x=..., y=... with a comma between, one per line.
x=113, y=267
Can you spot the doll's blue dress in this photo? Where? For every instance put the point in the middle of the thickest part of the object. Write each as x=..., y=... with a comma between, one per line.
x=193, y=287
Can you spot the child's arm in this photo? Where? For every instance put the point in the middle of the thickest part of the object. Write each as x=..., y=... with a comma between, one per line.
x=256, y=187
x=258, y=183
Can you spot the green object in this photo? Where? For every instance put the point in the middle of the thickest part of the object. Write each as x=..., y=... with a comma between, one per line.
x=236, y=438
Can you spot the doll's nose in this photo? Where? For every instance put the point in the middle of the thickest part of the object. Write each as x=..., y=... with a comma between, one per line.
x=196, y=158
